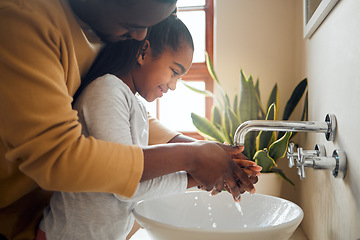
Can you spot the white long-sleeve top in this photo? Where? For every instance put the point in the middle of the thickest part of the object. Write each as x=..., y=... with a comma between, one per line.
x=108, y=110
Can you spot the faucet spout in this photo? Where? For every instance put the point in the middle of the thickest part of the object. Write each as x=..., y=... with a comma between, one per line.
x=328, y=127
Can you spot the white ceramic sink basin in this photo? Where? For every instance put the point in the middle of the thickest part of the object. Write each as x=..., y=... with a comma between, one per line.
x=197, y=215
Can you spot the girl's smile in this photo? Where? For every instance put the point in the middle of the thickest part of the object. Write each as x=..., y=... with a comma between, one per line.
x=154, y=76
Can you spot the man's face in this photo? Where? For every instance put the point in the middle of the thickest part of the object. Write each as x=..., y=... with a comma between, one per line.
x=115, y=21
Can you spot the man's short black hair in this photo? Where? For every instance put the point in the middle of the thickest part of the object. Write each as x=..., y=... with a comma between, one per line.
x=131, y=2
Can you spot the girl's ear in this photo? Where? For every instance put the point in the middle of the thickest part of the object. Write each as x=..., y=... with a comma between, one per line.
x=144, y=52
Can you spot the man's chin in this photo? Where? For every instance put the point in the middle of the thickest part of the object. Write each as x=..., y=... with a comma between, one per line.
x=108, y=38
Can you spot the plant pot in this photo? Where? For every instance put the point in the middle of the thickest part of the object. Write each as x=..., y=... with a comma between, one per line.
x=269, y=184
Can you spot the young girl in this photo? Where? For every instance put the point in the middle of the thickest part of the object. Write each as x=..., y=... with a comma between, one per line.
x=109, y=110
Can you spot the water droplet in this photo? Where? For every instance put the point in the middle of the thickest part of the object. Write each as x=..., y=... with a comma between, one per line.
x=237, y=204
x=214, y=225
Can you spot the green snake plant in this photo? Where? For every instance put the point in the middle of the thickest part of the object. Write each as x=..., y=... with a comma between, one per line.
x=265, y=148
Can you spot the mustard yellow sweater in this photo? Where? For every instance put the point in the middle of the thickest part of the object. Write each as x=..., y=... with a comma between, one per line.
x=43, y=54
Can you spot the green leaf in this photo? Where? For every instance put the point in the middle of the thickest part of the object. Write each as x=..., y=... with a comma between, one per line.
x=250, y=144
x=294, y=99
x=305, y=113
x=206, y=93
x=210, y=68
x=249, y=104
x=235, y=104
x=273, y=98
x=257, y=91
x=216, y=117
x=264, y=138
x=235, y=123
x=264, y=160
x=204, y=126
x=226, y=122
x=214, y=77
x=278, y=148
x=203, y=92
x=257, y=88
x=293, y=102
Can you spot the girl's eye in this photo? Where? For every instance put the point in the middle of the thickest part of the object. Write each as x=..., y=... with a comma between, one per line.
x=175, y=72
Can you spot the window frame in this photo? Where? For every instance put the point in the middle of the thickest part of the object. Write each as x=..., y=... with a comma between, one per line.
x=198, y=71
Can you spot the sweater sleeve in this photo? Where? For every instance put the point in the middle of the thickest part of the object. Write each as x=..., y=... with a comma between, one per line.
x=38, y=126
x=163, y=186
x=158, y=133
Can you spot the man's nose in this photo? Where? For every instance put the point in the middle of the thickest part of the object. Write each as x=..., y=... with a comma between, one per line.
x=139, y=34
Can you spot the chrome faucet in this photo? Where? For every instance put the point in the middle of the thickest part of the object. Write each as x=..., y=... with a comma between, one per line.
x=317, y=159
x=302, y=158
x=328, y=127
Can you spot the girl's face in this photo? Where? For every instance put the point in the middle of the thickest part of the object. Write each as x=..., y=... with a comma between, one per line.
x=153, y=77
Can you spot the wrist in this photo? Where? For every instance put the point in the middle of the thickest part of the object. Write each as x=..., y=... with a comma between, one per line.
x=189, y=159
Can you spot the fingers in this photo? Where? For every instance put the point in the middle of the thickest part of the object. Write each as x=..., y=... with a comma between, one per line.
x=253, y=179
x=244, y=181
x=250, y=167
x=248, y=164
x=240, y=156
x=218, y=188
x=215, y=166
x=233, y=188
x=245, y=163
x=232, y=150
x=255, y=168
x=236, y=198
x=251, y=172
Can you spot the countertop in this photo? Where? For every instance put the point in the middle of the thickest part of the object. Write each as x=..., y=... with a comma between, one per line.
x=141, y=234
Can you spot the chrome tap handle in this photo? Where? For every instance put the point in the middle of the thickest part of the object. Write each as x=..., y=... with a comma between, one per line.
x=291, y=155
x=301, y=171
x=305, y=159
x=317, y=159
x=300, y=164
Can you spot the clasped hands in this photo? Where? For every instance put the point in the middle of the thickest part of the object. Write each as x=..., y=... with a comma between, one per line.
x=250, y=168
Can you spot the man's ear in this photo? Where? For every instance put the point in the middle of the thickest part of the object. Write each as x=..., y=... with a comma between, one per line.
x=144, y=52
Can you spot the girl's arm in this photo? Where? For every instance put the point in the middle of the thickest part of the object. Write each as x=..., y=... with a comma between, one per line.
x=205, y=161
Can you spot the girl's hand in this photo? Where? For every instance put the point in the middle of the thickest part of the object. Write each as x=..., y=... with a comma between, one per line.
x=250, y=167
x=214, y=167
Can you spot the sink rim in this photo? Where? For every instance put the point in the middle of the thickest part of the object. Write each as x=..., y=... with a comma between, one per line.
x=294, y=222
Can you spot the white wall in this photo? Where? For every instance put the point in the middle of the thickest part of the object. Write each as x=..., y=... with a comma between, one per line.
x=257, y=36
x=332, y=66
x=264, y=38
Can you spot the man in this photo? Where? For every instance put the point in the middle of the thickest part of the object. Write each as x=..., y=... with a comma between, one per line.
x=45, y=49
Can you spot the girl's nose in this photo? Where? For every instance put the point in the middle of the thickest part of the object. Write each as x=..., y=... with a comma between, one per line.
x=139, y=34
x=172, y=84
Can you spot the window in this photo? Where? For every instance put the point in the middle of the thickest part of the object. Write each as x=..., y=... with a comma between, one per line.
x=175, y=107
